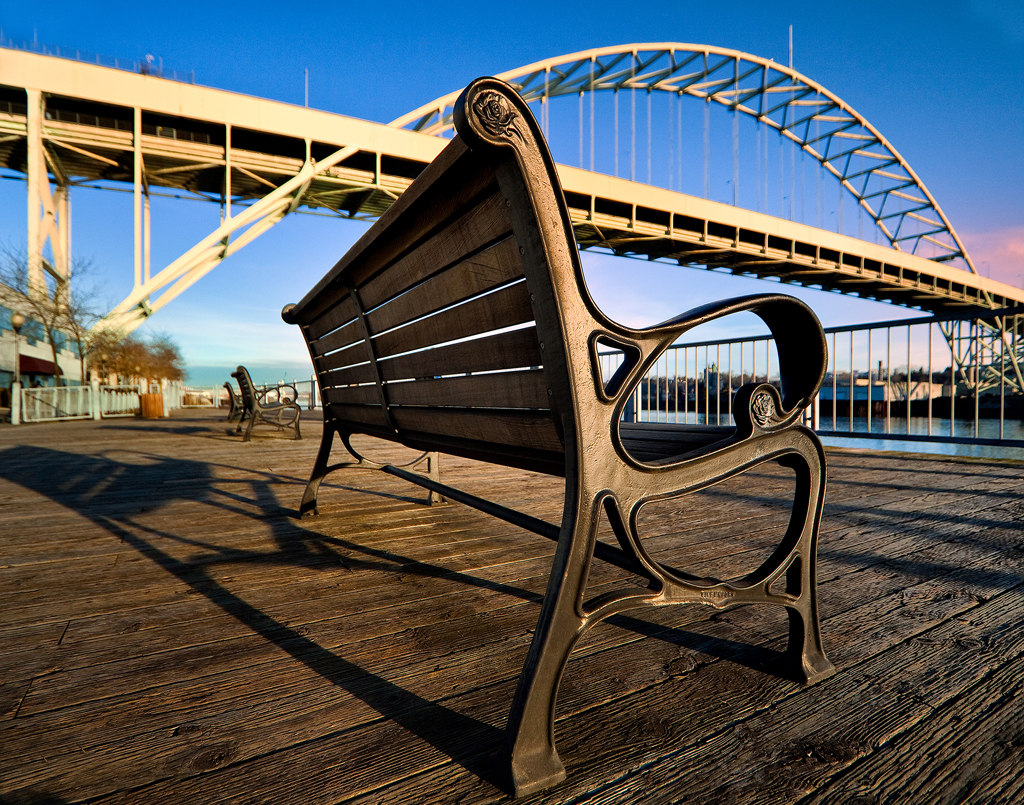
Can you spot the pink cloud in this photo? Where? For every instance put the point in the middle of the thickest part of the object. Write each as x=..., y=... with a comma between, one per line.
x=998, y=254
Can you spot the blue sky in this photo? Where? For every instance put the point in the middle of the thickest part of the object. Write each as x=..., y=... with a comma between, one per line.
x=943, y=83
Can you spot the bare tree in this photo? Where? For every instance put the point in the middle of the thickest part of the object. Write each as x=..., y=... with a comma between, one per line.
x=61, y=312
x=81, y=310
x=72, y=313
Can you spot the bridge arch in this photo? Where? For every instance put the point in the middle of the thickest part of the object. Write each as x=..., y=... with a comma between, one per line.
x=810, y=116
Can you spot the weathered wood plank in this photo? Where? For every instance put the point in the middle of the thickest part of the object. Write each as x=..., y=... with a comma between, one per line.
x=484, y=224
x=373, y=777
x=745, y=736
x=511, y=350
x=804, y=740
x=968, y=752
x=369, y=646
x=503, y=308
x=495, y=266
x=524, y=389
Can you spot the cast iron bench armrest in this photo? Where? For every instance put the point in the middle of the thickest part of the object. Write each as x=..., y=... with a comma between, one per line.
x=800, y=344
x=263, y=391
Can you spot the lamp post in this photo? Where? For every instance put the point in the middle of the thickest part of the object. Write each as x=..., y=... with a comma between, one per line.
x=17, y=322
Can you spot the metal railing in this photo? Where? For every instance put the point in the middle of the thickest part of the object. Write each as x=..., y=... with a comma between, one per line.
x=948, y=378
x=307, y=393
x=55, y=403
x=199, y=397
x=52, y=403
x=119, y=401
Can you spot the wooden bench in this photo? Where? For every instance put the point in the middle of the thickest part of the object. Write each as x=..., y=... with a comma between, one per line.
x=461, y=322
x=257, y=409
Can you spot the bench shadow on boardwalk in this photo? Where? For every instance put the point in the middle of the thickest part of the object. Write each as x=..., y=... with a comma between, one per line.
x=172, y=632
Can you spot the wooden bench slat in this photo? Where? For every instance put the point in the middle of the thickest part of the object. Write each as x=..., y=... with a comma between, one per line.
x=479, y=226
x=485, y=270
x=460, y=179
x=350, y=355
x=342, y=337
x=531, y=429
x=352, y=395
x=549, y=462
x=503, y=308
x=371, y=417
x=656, y=443
x=511, y=350
x=350, y=375
x=449, y=184
x=343, y=311
x=525, y=389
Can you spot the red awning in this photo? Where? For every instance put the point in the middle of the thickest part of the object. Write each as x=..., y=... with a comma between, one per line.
x=35, y=366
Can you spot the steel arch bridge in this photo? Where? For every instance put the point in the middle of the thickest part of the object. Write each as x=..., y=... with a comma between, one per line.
x=798, y=108
x=69, y=124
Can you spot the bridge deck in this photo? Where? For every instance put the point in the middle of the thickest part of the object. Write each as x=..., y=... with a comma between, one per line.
x=200, y=142
x=172, y=634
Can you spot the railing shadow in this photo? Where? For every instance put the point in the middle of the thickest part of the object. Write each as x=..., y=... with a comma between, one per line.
x=90, y=486
x=111, y=490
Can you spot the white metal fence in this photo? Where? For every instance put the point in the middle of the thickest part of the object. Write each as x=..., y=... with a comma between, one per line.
x=51, y=403
x=54, y=403
x=119, y=401
x=308, y=394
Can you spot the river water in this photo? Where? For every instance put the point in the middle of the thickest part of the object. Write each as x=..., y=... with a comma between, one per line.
x=987, y=429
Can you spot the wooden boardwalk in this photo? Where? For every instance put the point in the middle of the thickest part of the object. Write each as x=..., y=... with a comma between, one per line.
x=170, y=633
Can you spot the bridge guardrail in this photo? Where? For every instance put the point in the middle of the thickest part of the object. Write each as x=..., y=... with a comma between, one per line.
x=151, y=66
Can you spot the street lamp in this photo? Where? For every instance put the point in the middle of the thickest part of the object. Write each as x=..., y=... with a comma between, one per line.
x=17, y=322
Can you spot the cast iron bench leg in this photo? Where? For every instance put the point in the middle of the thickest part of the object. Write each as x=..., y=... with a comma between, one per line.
x=320, y=469
x=530, y=734
x=805, y=654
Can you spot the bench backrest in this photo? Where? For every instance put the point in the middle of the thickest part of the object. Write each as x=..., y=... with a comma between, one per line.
x=246, y=389
x=461, y=320
x=425, y=331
